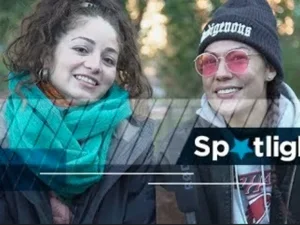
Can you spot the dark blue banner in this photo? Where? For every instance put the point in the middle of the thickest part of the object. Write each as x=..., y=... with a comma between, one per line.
x=241, y=146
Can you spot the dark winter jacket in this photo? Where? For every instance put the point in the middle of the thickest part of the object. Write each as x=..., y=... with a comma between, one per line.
x=115, y=199
x=212, y=204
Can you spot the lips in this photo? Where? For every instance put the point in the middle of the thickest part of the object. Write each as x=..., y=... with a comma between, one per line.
x=224, y=92
x=87, y=79
x=228, y=90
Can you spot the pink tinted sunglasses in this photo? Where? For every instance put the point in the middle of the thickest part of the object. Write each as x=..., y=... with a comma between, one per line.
x=236, y=61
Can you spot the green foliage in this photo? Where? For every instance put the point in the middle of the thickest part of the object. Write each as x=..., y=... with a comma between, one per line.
x=291, y=52
x=175, y=63
x=11, y=13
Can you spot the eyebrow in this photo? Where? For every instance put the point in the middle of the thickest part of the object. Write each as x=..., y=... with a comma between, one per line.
x=112, y=50
x=109, y=49
x=85, y=38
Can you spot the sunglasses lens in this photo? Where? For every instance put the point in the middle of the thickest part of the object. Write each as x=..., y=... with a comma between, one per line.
x=237, y=61
x=206, y=64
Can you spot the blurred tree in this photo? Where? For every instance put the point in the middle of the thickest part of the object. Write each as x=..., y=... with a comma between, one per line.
x=136, y=10
x=11, y=13
x=172, y=52
x=291, y=50
x=176, y=60
x=186, y=20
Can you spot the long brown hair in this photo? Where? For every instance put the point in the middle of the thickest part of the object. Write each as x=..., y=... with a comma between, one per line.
x=41, y=30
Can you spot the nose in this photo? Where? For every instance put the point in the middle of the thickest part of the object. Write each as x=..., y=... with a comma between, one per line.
x=93, y=63
x=223, y=73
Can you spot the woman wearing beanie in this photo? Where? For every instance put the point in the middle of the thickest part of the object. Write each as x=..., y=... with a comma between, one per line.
x=68, y=122
x=239, y=61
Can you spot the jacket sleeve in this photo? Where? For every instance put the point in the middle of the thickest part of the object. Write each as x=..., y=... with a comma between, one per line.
x=5, y=217
x=141, y=205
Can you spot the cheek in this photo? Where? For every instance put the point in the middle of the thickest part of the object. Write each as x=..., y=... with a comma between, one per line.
x=73, y=62
x=67, y=60
x=110, y=76
x=255, y=85
x=257, y=72
x=207, y=84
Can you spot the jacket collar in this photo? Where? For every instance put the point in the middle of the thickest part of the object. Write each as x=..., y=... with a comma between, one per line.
x=289, y=110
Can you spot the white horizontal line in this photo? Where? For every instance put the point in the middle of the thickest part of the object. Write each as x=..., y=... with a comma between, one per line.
x=111, y=173
x=201, y=183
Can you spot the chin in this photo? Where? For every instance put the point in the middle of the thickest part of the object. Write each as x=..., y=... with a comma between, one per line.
x=87, y=96
x=83, y=100
x=228, y=109
x=224, y=107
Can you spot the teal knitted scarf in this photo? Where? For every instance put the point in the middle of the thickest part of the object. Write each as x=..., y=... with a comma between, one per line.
x=49, y=138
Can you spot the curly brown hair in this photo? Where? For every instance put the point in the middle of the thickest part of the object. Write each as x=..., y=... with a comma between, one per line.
x=41, y=31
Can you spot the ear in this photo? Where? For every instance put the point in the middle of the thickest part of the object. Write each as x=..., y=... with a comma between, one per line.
x=270, y=73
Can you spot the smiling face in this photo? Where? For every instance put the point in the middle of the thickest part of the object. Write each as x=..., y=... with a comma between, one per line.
x=228, y=92
x=85, y=60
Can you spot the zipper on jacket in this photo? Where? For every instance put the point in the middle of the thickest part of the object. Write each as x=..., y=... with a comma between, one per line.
x=290, y=192
x=74, y=215
x=231, y=191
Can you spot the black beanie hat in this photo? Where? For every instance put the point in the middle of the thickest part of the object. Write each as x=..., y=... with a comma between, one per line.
x=248, y=21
